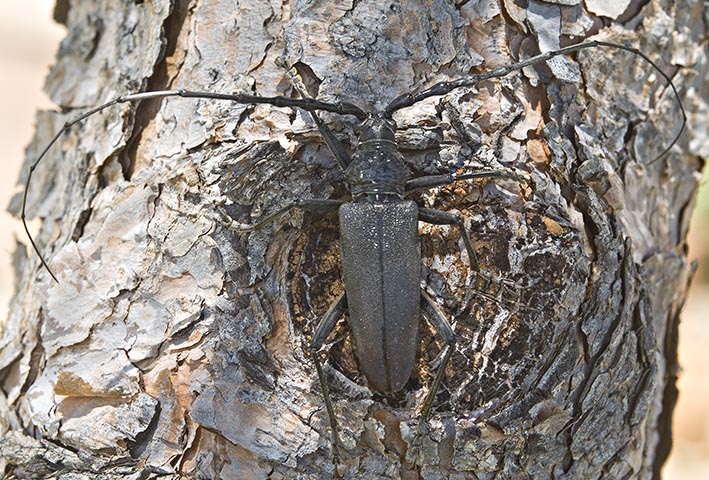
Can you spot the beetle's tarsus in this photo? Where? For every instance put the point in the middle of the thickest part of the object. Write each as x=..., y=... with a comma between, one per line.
x=374, y=188
x=231, y=224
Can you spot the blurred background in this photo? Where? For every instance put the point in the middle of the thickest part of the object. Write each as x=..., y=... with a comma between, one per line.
x=28, y=40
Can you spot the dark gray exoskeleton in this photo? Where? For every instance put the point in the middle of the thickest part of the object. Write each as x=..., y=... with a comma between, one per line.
x=380, y=260
x=381, y=255
x=379, y=228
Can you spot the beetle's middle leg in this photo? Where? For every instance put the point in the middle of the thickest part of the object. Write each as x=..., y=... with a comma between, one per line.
x=311, y=204
x=439, y=217
x=484, y=281
x=430, y=181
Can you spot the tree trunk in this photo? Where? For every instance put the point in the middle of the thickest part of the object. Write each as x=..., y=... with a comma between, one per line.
x=173, y=346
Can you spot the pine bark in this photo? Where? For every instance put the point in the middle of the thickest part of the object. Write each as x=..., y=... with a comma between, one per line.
x=174, y=348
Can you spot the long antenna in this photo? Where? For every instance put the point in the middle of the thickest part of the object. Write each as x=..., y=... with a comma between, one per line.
x=442, y=88
x=342, y=108
x=309, y=104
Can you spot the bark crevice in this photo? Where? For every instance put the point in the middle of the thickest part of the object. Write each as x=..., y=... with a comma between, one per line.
x=179, y=346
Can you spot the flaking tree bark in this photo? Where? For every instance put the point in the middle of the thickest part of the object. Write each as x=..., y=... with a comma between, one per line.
x=174, y=348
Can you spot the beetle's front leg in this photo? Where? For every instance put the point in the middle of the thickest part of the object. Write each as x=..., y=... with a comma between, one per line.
x=331, y=141
x=313, y=205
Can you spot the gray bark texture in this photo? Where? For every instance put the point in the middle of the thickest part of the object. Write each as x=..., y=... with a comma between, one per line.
x=175, y=348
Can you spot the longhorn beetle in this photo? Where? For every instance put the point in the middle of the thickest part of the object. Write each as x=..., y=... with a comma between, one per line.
x=379, y=235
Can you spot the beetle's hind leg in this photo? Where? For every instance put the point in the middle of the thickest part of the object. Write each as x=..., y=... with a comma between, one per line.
x=440, y=324
x=322, y=331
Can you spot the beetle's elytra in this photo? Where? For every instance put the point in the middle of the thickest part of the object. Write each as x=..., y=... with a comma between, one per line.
x=378, y=227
